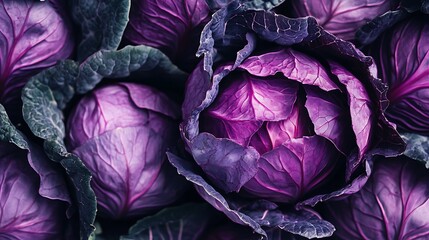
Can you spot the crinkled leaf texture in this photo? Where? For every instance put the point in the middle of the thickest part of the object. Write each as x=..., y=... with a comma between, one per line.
x=406, y=72
x=102, y=24
x=32, y=188
x=188, y=221
x=255, y=214
x=215, y=30
x=417, y=147
x=33, y=36
x=47, y=94
x=393, y=204
x=341, y=18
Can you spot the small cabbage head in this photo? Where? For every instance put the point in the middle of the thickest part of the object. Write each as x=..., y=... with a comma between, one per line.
x=342, y=18
x=406, y=71
x=33, y=36
x=25, y=214
x=121, y=132
x=172, y=26
x=393, y=204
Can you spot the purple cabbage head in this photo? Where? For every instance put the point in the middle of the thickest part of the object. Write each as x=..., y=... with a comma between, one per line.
x=25, y=214
x=121, y=132
x=402, y=55
x=280, y=124
x=279, y=116
x=342, y=18
x=33, y=36
x=393, y=204
x=172, y=26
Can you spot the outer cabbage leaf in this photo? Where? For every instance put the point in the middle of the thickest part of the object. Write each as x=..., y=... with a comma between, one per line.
x=52, y=183
x=255, y=214
x=215, y=30
x=226, y=163
x=188, y=170
x=34, y=194
x=341, y=18
x=25, y=213
x=393, y=204
x=102, y=24
x=33, y=36
x=188, y=221
x=290, y=171
x=406, y=73
x=49, y=92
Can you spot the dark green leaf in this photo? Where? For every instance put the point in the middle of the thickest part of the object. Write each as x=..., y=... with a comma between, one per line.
x=8, y=132
x=81, y=177
x=417, y=147
x=117, y=64
x=102, y=24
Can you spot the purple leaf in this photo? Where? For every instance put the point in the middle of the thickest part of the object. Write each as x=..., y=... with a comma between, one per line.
x=290, y=171
x=171, y=26
x=254, y=98
x=331, y=118
x=293, y=65
x=228, y=165
x=130, y=179
x=393, y=204
x=341, y=18
x=33, y=36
